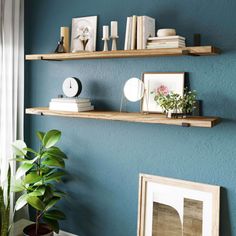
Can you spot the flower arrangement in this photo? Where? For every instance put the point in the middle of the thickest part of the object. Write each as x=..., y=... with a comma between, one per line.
x=172, y=102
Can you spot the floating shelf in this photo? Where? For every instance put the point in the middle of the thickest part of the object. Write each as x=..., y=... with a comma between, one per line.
x=207, y=122
x=194, y=51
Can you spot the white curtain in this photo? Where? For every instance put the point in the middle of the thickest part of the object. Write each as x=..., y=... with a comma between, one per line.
x=11, y=79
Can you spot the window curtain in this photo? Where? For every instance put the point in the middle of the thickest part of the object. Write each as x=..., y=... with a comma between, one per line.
x=11, y=80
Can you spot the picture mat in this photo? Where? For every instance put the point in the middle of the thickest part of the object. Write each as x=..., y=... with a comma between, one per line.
x=173, y=81
x=144, y=179
x=91, y=22
x=174, y=197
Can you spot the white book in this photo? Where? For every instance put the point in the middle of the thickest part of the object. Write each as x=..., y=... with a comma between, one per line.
x=127, y=45
x=166, y=38
x=166, y=43
x=139, y=32
x=71, y=104
x=148, y=29
x=134, y=33
x=65, y=107
x=70, y=100
x=165, y=46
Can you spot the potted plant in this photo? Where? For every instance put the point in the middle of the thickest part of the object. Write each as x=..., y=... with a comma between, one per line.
x=36, y=178
x=5, y=207
x=173, y=104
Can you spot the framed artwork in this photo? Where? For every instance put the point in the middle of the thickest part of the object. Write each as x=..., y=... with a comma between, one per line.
x=171, y=207
x=170, y=82
x=84, y=34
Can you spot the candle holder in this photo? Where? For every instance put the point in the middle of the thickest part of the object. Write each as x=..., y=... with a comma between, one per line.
x=114, y=43
x=105, y=47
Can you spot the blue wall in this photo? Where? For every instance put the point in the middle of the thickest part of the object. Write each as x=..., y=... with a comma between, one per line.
x=106, y=157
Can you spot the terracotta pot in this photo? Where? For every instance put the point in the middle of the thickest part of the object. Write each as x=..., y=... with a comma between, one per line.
x=44, y=230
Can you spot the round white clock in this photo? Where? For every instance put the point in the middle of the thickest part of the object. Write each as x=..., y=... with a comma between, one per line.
x=72, y=87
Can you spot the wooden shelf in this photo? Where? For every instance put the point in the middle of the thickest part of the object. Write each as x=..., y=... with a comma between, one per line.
x=194, y=51
x=207, y=122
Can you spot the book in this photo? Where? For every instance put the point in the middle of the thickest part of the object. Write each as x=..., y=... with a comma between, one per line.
x=134, y=33
x=70, y=100
x=139, y=32
x=72, y=104
x=166, y=43
x=165, y=46
x=69, y=107
x=149, y=27
x=166, y=38
x=128, y=32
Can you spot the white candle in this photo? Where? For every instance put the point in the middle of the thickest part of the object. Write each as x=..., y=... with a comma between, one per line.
x=114, y=29
x=105, y=32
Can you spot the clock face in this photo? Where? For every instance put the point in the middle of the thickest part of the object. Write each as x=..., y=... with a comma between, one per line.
x=72, y=87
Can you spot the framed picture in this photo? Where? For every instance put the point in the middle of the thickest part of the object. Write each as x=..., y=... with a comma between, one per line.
x=170, y=82
x=171, y=207
x=84, y=34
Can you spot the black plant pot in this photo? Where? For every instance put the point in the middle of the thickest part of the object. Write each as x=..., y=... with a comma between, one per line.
x=44, y=230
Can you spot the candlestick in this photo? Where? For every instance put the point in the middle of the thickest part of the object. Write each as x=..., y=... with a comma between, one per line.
x=105, y=47
x=65, y=35
x=114, y=29
x=114, y=43
x=106, y=32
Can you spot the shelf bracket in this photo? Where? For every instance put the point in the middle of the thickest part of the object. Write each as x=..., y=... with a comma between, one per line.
x=186, y=125
x=42, y=59
x=189, y=53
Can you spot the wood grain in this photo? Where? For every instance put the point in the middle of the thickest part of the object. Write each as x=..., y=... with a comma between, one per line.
x=206, y=122
x=199, y=51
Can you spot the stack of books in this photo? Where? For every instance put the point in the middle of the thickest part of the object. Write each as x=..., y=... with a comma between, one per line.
x=166, y=42
x=71, y=104
x=138, y=30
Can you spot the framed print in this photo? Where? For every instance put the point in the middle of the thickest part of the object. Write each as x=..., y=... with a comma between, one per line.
x=168, y=82
x=171, y=207
x=84, y=34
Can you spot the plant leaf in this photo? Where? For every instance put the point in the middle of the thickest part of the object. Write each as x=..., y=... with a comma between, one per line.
x=17, y=186
x=55, y=176
x=55, y=151
x=21, y=202
x=41, y=189
x=40, y=135
x=31, y=150
x=55, y=215
x=52, y=223
x=36, y=203
x=54, y=162
x=23, y=169
x=51, y=138
x=18, y=148
x=35, y=193
x=52, y=203
x=32, y=178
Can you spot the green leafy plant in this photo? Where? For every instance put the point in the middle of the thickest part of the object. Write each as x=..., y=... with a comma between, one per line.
x=37, y=176
x=5, y=207
x=173, y=102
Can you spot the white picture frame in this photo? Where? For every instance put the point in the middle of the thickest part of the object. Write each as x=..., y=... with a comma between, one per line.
x=195, y=207
x=174, y=81
x=84, y=34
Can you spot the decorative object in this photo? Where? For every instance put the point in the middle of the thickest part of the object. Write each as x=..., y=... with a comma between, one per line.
x=197, y=40
x=60, y=46
x=72, y=87
x=173, y=104
x=172, y=82
x=133, y=91
x=171, y=207
x=114, y=35
x=166, y=32
x=36, y=177
x=105, y=37
x=65, y=34
x=84, y=34
x=5, y=206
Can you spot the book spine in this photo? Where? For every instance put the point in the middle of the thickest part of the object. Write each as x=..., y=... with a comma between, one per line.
x=70, y=105
x=71, y=109
x=134, y=33
x=127, y=34
x=139, y=34
x=148, y=29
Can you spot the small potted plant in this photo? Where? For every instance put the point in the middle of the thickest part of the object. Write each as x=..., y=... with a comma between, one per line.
x=173, y=104
x=36, y=178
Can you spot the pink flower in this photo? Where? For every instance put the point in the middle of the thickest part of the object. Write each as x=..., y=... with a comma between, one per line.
x=162, y=90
